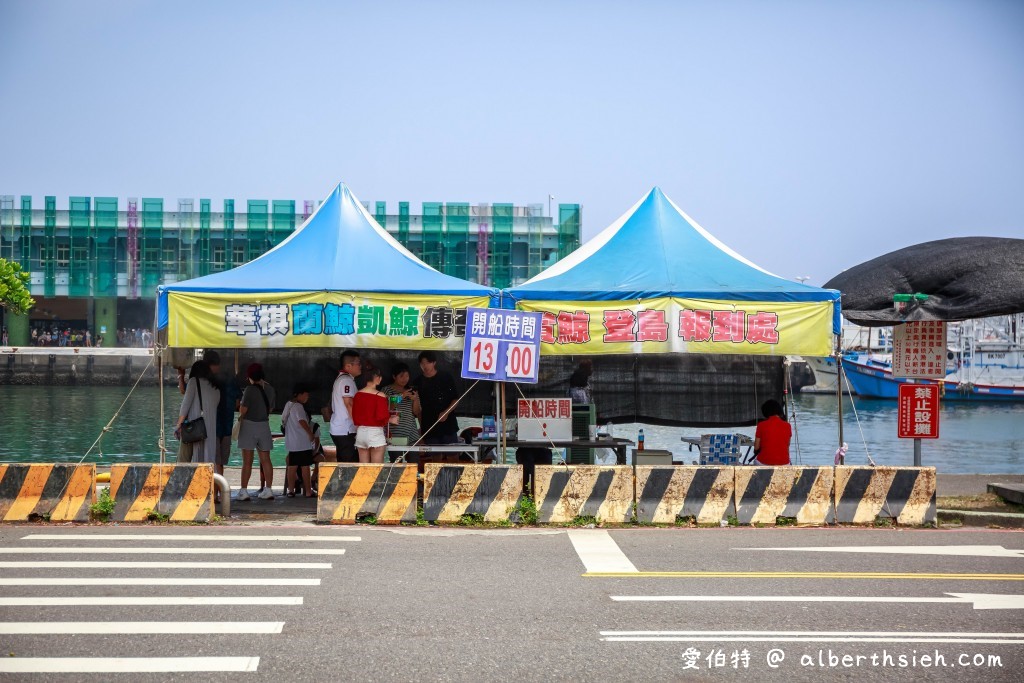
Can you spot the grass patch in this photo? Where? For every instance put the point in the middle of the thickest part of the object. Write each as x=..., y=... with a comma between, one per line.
x=734, y=520
x=585, y=520
x=471, y=519
x=157, y=516
x=525, y=511
x=420, y=519
x=366, y=518
x=103, y=507
x=884, y=522
x=785, y=521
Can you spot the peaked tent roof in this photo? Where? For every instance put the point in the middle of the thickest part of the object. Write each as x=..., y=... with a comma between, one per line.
x=339, y=248
x=656, y=250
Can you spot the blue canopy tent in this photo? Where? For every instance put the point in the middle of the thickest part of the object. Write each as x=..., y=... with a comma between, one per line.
x=339, y=280
x=656, y=259
x=694, y=334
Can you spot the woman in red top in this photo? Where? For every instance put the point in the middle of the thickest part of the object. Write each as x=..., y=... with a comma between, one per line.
x=771, y=439
x=370, y=414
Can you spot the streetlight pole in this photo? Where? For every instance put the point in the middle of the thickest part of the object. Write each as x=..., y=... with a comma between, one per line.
x=550, y=197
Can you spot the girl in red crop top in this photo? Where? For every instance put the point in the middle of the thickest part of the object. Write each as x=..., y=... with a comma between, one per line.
x=370, y=414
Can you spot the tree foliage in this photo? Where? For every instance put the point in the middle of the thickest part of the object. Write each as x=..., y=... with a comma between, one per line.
x=14, y=284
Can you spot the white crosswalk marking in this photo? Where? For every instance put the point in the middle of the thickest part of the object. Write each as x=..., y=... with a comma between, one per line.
x=113, y=594
x=116, y=600
x=99, y=564
x=172, y=551
x=131, y=627
x=107, y=665
x=154, y=581
x=190, y=537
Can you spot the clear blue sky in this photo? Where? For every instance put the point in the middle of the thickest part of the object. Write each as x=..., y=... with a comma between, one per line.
x=808, y=136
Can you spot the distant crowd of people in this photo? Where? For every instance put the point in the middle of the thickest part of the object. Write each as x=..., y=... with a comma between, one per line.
x=65, y=335
x=362, y=420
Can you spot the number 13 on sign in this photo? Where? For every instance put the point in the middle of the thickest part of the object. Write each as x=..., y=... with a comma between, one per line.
x=483, y=356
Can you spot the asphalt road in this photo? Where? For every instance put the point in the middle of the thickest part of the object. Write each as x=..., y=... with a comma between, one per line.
x=413, y=604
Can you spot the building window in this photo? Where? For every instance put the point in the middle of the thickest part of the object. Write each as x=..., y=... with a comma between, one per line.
x=170, y=258
x=239, y=255
x=218, y=254
x=81, y=254
x=63, y=254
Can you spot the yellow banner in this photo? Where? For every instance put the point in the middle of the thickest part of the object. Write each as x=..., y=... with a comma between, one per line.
x=670, y=325
x=318, y=319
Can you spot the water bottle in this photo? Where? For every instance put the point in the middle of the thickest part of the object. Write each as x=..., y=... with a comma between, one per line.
x=640, y=441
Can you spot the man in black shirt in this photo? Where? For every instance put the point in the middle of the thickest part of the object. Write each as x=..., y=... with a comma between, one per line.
x=438, y=396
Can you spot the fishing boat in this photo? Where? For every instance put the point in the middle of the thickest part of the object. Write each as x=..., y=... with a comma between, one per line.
x=987, y=364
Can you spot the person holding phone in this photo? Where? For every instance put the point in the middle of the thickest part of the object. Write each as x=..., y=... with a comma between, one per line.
x=408, y=408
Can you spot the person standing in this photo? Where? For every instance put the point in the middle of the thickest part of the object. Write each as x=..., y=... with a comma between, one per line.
x=299, y=440
x=201, y=399
x=771, y=438
x=438, y=397
x=371, y=415
x=343, y=429
x=254, y=433
x=408, y=408
x=3, y=337
x=579, y=383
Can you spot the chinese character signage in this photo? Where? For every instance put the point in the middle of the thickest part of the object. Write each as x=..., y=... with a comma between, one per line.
x=671, y=325
x=501, y=345
x=318, y=319
x=918, y=415
x=919, y=350
x=544, y=419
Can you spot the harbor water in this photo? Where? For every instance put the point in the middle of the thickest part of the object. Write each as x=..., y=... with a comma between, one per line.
x=62, y=424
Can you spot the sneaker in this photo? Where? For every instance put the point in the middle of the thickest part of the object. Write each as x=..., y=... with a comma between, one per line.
x=266, y=494
x=243, y=494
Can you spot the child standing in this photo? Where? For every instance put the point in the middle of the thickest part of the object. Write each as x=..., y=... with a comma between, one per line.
x=298, y=440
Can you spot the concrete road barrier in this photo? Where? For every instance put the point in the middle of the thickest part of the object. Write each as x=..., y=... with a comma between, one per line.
x=905, y=494
x=763, y=494
x=58, y=492
x=349, y=493
x=490, y=491
x=183, y=492
x=665, y=494
x=566, y=492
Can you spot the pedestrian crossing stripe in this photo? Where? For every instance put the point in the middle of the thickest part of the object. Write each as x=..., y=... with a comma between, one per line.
x=451, y=491
x=58, y=492
x=182, y=491
x=351, y=492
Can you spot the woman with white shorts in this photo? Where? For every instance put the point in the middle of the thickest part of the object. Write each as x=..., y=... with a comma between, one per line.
x=371, y=415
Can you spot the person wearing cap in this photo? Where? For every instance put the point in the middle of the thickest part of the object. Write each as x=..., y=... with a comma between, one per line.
x=254, y=433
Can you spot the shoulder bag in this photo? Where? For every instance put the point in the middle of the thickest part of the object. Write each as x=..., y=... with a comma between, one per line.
x=195, y=430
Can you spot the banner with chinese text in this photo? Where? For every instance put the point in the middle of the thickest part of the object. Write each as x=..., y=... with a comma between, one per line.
x=672, y=325
x=318, y=319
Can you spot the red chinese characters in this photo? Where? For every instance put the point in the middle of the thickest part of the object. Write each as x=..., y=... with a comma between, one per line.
x=651, y=326
x=619, y=325
x=695, y=325
x=918, y=415
x=728, y=326
x=573, y=328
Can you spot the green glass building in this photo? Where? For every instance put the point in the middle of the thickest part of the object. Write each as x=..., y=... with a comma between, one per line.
x=96, y=264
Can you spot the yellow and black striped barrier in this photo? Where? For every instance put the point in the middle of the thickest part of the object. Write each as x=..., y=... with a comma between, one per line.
x=183, y=492
x=58, y=492
x=488, y=492
x=565, y=493
x=905, y=494
x=349, y=493
x=763, y=494
x=665, y=494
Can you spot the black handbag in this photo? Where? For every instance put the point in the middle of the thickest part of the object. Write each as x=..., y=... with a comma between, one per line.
x=195, y=430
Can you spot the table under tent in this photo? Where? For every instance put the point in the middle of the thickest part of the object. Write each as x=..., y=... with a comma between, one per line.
x=681, y=330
